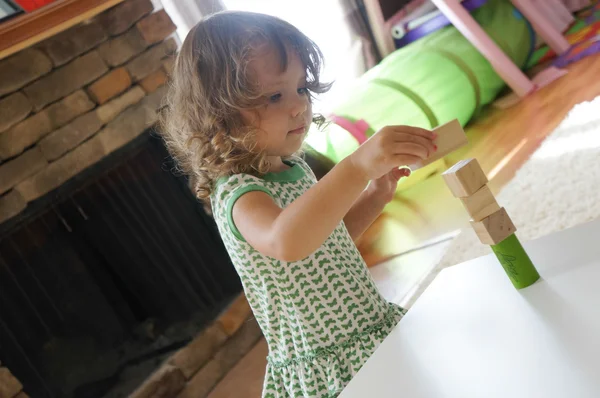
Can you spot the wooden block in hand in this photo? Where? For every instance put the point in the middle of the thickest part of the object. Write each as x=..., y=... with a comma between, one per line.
x=481, y=204
x=451, y=136
x=494, y=228
x=465, y=178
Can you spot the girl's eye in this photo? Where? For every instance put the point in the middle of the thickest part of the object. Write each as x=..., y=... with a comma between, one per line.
x=303, y=91
x=274, y=98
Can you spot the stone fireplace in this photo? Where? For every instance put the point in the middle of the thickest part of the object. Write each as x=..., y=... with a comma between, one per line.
x=79, y=96
x=112, y=277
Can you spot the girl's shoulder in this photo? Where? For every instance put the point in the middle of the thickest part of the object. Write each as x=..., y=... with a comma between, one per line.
x=237, y=179
x=233, y=186
x=226, y=192
x=226, y=185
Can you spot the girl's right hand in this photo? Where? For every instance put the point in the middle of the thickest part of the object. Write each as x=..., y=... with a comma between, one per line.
x=392, y=147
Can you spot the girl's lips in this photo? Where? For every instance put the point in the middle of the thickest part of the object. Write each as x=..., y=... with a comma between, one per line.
x=299, y=130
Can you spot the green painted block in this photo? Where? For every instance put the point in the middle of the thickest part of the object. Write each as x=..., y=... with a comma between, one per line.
x=516, y=262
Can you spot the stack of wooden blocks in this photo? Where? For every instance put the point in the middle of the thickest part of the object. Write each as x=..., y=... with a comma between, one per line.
x=468, y=182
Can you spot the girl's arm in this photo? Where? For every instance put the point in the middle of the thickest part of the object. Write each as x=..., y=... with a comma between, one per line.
x=371, y=202
x=293, y=233
x=363, y=213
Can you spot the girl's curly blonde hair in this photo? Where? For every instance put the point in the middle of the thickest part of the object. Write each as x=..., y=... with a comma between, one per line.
x=201, y=122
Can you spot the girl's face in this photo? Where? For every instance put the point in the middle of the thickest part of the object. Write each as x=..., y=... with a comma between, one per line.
x=285, y=118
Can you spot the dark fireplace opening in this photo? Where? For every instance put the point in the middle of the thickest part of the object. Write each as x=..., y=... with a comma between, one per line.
x=105, y=276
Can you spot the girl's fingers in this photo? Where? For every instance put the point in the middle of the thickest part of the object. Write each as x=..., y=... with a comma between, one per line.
x=404, y=160
x=409, y=148
x=425, y=142
x=415, y=131
x=399, y=173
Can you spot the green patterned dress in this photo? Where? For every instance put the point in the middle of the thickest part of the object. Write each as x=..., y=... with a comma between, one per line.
x=322, y=317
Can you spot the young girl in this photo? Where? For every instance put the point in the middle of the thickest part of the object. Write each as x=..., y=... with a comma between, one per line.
x=238, y=111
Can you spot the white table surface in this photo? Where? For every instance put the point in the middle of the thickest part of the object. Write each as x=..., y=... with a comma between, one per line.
x=472, y=334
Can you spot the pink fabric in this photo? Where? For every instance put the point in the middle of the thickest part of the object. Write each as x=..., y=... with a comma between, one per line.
x=358, y=129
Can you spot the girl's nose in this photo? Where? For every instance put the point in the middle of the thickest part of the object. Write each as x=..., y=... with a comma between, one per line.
x=299, y=106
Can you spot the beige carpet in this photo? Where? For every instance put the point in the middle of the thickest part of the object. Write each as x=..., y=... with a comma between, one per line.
x=558, y=187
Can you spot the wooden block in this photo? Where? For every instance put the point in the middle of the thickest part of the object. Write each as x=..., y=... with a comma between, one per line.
x=481, y=204
x=451, y=136
x=494, y=228
x=465, y=178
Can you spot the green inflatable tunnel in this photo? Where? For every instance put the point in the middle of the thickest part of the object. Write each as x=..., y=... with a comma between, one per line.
x=427, y=83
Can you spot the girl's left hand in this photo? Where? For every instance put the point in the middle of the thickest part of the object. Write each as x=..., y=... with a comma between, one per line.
x=384, y=188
